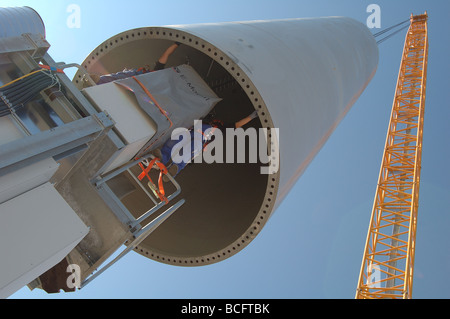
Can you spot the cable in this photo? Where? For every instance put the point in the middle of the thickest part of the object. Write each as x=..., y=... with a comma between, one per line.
x=19, y=92
x=24, y=90
x=31, y=92
x=376, y=35
x=21, y=88
x=391, y=35
x=18, y=79
x=9, y=89
x=390, y=28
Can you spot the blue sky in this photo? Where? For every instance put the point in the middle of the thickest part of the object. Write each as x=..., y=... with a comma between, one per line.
x=312, y=246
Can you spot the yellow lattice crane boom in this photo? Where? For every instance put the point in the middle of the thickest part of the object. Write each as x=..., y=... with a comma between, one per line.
x=388, y=263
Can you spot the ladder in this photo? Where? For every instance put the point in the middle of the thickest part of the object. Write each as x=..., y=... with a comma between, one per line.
x=139, y=228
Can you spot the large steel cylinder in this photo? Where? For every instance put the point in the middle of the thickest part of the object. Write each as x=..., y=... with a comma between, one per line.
x=302, y=75
x=16, y=21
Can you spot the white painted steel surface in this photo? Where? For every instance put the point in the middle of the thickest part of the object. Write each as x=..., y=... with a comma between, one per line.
x=26, y=178
x=37, y=229
x=309, y=72
x=134, y=126
x=15, y=21
x=302, y=75
x=9, y=131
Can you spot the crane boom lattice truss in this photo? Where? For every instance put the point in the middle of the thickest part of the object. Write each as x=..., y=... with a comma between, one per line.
x=388, y=262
